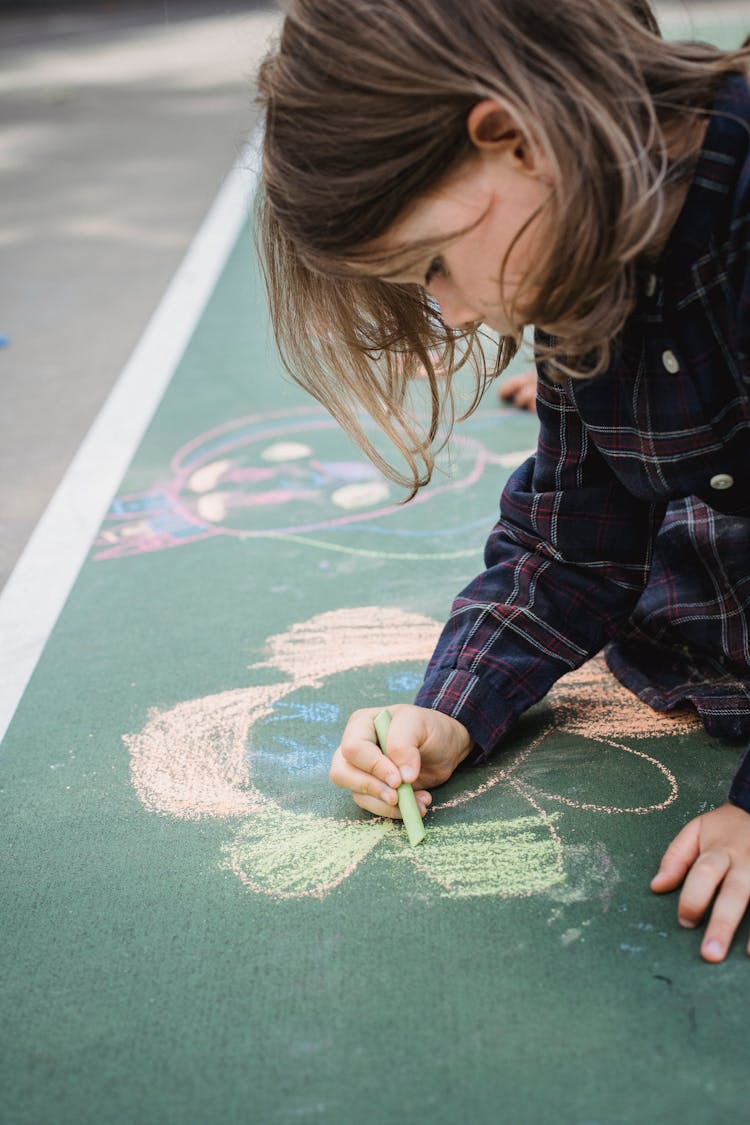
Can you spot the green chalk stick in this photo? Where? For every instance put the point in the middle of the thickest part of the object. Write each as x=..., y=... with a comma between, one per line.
x=407, y=802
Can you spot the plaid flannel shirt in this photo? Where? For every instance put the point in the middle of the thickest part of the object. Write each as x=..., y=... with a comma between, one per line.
x=631, y=526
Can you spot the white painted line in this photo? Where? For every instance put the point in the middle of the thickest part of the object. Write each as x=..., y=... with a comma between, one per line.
x=37, y=589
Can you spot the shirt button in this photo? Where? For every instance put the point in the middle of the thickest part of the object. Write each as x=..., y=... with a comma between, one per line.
x=649, y=285
x=670, y=361
x=721, y=481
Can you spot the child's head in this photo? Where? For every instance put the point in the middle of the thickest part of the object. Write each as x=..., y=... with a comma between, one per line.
x=531, y=138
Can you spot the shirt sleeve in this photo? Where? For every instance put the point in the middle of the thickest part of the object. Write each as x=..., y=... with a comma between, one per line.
x=565, y=564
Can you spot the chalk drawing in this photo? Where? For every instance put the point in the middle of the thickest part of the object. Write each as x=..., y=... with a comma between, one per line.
x=308, y=854
x=260, y=755
x=592, y=704
x=293, y=474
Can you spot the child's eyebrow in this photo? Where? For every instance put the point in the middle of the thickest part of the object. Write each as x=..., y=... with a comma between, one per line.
x=407, y=257
x=401, y=259
x=391, y=269
x=412, y=261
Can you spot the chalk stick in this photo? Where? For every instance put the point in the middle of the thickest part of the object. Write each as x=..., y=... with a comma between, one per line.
x=407, y=802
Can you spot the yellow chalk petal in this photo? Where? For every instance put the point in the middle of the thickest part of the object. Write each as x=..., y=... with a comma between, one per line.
x=291, y=855
x=504, y=858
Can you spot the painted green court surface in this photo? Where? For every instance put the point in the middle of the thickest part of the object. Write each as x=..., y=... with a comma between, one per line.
x=198, y=927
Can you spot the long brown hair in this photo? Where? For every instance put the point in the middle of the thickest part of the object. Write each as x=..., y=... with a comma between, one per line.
x=366, y=104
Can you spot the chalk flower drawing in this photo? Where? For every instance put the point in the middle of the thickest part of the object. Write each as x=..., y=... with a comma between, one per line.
x=292, y=474
x=200, y=759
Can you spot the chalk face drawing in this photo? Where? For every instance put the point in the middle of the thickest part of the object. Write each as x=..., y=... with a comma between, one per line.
x=293, y=474
x=260, y=755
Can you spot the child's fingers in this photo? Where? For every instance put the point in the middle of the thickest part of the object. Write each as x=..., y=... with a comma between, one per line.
x=405, y=735
x=678, y=859
x=370, y=778
x=359, y=751
x=727, y=913
x=526, y=397
x=508, y=388
x=704, y=877
x=379, y=808
x=520, y=389
x=512, y=383
x=367, y=757
x=361, y=766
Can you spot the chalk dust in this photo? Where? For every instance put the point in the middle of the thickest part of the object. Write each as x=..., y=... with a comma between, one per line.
x=570, y=935
x=591, y=876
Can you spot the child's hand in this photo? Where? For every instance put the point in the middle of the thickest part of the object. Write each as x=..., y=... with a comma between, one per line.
x=424, y=748
x=520, y=390
x=713, y=851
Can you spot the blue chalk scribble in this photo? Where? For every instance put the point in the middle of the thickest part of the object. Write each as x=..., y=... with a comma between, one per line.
x=404, y=681
x=297, y=758
x=306, y=712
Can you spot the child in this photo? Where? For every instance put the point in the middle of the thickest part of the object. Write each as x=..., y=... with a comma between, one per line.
x=430, y=167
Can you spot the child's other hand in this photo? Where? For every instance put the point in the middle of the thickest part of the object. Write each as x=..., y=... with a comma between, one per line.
x=424, y=748
x=520, y=390
x=712, y=855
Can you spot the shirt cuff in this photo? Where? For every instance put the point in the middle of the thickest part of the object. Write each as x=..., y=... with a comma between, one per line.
x=739, y=794
x=467, y=698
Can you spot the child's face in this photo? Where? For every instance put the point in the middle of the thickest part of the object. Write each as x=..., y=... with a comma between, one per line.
x=493, y=195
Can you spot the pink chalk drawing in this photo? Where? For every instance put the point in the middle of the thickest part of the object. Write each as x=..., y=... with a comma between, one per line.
x=293, y=474
x=238, y=756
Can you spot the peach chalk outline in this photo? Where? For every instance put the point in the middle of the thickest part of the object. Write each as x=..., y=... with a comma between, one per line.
x=637, y=810
x=590, y=702
x=195, y=761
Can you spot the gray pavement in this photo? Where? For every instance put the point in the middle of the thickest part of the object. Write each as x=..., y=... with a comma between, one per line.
x=118, y=121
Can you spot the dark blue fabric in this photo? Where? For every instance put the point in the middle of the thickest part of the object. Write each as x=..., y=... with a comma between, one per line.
x=630, y=527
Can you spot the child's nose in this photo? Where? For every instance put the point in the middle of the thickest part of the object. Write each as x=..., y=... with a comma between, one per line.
x=457, y=314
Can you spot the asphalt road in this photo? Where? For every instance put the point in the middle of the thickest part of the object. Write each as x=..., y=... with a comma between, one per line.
x=118, y=122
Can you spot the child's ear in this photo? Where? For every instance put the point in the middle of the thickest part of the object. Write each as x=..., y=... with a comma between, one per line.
x=491, y=127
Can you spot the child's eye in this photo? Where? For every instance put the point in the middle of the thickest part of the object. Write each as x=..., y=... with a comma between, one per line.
x=436, y=268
